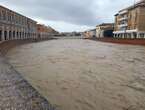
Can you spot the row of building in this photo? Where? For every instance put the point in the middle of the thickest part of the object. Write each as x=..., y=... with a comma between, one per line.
x=16, y=26
x=129, y=23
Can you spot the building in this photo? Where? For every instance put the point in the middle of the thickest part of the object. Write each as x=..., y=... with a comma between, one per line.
x=104, y=30
x=130, y=22
x=45, y=32
x=90, y=33
x=15, y=26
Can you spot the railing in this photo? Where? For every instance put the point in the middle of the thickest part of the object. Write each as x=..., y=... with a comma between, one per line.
x=123, y=12
x=123, y=18
x=123, y=25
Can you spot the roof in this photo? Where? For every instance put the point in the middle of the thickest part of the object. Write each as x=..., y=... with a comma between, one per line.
x=104, y=24
x=141, y=3
x=138, y=4
x=17, y=13
x=93, y=30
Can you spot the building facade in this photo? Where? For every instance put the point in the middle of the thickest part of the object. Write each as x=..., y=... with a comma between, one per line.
x=90, y=33
x=104, y=30
x=130, y=22
x=16, y=26
x=45, y=32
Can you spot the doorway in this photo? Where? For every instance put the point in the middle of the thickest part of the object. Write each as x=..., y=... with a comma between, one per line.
x=0, y=35
x=5, y=35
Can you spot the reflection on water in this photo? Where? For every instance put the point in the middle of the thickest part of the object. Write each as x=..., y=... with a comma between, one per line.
x=84, y=74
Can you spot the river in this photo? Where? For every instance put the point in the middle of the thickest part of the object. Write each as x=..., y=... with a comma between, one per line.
x=75, y=74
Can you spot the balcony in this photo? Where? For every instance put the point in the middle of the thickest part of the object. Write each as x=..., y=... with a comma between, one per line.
x=123, y=18
x=123, y=12
x=123, y=25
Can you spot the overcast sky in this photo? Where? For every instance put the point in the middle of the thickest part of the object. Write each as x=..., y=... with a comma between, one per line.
x=68, y=15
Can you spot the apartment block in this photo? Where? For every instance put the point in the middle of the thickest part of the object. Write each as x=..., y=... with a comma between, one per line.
x=104, y=30
x=16, y=26
x=130, y=22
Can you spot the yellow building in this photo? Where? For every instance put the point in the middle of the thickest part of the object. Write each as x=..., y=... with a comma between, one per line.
x=16, y=26
x=130, y=22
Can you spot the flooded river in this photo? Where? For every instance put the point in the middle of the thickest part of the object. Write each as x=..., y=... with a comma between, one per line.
x=84, y=74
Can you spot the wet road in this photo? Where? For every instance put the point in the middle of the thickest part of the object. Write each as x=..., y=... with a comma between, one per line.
x=84, y=74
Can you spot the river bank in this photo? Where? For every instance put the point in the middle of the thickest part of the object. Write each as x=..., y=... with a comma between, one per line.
x=121, y=41
x=15, y=92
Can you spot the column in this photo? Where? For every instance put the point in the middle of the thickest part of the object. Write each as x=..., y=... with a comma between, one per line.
x=10, y=34
x=16, y=34
x=25, y=34
x=138, y=35
x=12, y=37
x=8, y=38
x=132, y=35
x=3, y=38
x=13, y=34
x=20, y=35
x=119, y=35
x=114, y=35
x=123, y=35
x=33, y=36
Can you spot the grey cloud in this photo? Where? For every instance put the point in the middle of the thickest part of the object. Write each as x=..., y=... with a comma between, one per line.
x=80, y=12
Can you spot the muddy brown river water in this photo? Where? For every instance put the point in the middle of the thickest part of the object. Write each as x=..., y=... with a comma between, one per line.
x=84, y=74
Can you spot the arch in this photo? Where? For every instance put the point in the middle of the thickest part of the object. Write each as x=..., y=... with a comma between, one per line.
x=20, y=35
x=28, y=35
x=14, y=34
x=23, y=37
x=5, y=35
x=10, y=35
x=134, y=35
x=17, y=35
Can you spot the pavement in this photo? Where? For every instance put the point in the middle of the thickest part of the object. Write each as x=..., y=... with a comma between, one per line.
x=16, y=93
